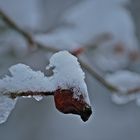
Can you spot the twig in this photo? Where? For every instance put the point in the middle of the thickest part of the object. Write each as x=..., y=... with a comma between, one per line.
x=95, y=75
x=14, y=26
x=98, y=77
x=14, y=95
x=105, y=83
x=25, y=34
x=134, y=90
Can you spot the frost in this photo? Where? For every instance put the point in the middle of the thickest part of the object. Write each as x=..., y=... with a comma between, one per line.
x=67, y=74
x=124, y=80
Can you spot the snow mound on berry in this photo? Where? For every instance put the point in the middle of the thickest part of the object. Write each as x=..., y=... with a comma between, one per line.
x=68, y=74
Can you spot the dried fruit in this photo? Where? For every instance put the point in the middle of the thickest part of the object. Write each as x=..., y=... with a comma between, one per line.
x=66, y=103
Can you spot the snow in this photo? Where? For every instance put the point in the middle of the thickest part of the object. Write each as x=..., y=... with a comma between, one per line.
x=38, y=98
x=89, y=19
x=108, y=57
x=124, y=80
x=6, y=106
x=24, y=79
x=67, y=74
x=122, y=99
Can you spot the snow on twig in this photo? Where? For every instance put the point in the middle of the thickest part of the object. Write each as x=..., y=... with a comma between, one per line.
x=128, y=84
x=25, y=82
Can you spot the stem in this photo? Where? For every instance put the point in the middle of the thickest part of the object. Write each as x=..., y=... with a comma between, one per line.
x=98, y=77
x=105, y=83
x=25, y=34
x=14, y=26
x=14, y=95
x=132, y=91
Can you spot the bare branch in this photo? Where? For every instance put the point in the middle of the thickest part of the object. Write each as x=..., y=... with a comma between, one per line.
x=98, y=77
x=25, y=34
x=14, y=26
x=132, y=91
x=105, y=83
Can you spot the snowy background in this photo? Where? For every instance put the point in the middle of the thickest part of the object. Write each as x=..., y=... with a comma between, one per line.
x=69, y=25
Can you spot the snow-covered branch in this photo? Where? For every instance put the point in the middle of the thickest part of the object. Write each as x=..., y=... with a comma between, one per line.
x=67, y=79
x=128, y=84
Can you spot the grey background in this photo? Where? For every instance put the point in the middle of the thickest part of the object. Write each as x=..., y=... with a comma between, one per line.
x=32, y=120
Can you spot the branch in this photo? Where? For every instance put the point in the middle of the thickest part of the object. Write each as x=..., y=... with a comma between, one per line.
x=14, y=95
x=22, y=32
x=105, y=83
x=132, y=91
x=76, y=52
x=98, y=77
x=14, y=26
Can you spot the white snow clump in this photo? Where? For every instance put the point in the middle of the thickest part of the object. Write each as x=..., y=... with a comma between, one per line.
x=124, y=80
x=67, y=74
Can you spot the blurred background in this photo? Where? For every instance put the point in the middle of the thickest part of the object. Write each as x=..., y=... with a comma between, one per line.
x=109, y=31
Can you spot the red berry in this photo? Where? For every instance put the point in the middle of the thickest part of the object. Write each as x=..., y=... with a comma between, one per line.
x=66, y=103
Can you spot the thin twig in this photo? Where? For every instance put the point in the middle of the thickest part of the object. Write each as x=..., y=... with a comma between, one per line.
x=134, y=90
x=97, y=76
x=93, y=73
x=14, y=95
x=25, y=34
x=105, y=83
x=14, y=26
